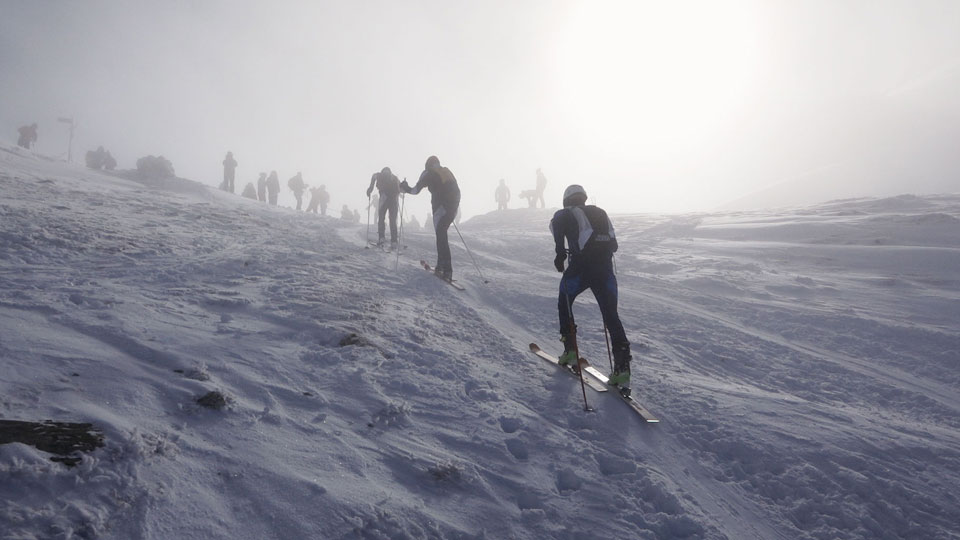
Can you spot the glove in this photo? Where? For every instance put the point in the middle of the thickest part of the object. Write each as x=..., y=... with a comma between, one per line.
x=405, y=187
x=558, y=262
x=369, y=191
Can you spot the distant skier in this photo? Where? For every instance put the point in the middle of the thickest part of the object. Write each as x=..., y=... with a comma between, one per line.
x=388, y=186
x=273, y=187
x=502, y=195
x=297, y=186
x=95, y=158
x=249, y=191
x=229, y=172
x=375, y=204
x=346, y=214
x=314, y=203
x=445, y=201
x=531, y=196
x=589, y=234
x=413, y=224
x=262, y=187
x=109, y=163
x=324, y=199
x=541, y=185
x=356, y=216
x=318, y=198
x=28, y=135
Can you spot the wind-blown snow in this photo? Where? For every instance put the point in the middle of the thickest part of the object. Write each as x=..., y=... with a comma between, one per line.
x=804, y=364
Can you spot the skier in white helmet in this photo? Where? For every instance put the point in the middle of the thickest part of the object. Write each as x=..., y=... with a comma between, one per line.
x=590, y=243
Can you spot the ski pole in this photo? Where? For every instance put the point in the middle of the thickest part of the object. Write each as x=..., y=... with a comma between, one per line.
x=576, y=348
x=606, y=337
x=368, y=223
x=396, y=265
x=470, y=253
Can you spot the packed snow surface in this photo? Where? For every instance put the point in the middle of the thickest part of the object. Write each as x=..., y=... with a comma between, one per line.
x=804, y=364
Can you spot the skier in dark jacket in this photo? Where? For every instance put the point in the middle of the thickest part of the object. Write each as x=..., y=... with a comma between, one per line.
x=389, y=188
x=589, y=234
x=229, y=172
x=445, y=200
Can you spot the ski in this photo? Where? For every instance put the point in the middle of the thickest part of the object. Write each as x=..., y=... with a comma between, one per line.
x=592, y=383
x=636, y=406
x=386, y=248
x=453, y=283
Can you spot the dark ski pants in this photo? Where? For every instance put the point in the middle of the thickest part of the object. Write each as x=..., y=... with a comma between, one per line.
x=387, y=203
x=442, y=218
x=600, y=279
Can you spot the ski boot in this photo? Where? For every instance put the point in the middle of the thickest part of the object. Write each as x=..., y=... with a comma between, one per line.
x=620, y=378
x=568, y=358
x=443, y=273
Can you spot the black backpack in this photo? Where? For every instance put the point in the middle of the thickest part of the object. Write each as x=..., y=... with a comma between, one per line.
x=600, y=241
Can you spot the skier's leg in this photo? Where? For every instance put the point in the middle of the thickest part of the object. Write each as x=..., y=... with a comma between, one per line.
x=603, y=284
x=393, y=220
x=571, y=285
x=442, y=219
x=604, y=287
x=381, y=212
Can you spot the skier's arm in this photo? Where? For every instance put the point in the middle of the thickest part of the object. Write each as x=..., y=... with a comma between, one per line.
x=558, y=230
x=613, y=237
x=421, y=183
x=373, y=180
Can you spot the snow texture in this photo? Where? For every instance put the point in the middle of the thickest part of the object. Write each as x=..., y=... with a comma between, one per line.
x=804, y=364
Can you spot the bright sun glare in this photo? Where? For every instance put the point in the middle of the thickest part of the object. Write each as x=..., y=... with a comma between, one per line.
x=653, y=75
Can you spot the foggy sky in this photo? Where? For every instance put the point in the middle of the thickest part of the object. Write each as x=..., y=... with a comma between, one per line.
x=652, y=106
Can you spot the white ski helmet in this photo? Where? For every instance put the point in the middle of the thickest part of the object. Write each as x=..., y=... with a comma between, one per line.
x=573, y=190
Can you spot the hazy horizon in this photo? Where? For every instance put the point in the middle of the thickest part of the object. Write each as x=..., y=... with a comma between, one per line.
x=663, y=107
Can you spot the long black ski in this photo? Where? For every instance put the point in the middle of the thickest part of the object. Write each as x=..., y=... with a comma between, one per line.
x=592, y=383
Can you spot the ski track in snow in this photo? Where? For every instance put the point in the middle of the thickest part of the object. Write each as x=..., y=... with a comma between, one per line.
x=803, y=363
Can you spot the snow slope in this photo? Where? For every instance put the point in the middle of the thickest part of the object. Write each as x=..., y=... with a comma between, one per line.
x=804, y=364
